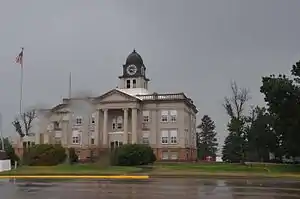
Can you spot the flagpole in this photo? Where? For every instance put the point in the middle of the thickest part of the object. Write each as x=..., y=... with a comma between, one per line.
x=21, y=86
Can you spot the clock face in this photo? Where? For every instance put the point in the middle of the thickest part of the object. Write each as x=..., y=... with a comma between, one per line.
x=131, y=70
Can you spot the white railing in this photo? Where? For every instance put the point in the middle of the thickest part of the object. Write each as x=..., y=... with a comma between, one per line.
x=162, y=96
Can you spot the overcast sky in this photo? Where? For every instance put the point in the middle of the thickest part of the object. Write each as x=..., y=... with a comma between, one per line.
x=191, y=46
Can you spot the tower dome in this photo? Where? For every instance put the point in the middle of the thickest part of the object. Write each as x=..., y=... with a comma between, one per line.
x=134, y=58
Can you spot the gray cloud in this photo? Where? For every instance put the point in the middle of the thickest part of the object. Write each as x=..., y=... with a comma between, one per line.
x=193, y=46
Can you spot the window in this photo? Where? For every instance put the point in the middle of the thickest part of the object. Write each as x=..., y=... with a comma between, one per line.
x=145, y=138
x=133, y=83
x=145, y=85
x=164, y=136
x=173, y=115
x=75, y=140
x=114, y=123
x=56, y=125
x=79, y=120
x=164, y=116
x=76, y=136
x=119, y=122
x=128, y=83
x=92, y=141
x=93, y=120
x=165, y=155
x=173, y=136
x=174, y=156
x=146, y=116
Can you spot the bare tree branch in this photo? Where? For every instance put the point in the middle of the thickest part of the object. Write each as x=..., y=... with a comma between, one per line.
x=235, y=104
x=26, y=120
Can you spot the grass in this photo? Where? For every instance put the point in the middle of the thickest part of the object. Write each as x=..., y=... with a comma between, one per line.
x=225, y=169
x=65, y=169
x=167, y=170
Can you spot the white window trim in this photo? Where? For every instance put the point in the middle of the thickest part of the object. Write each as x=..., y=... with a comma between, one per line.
x=127, y=82
x=145, y=137
x=164, y=137
x=173, y=115
x=146, y=116
x=173, y=138
x=92, y=138
x=164, y=115
x=169, y=137
x=76, y=135
x=134, y=85
x=78, y=118
x=117, y=123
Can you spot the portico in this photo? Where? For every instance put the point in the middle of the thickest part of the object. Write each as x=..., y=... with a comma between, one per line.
x=125, y=125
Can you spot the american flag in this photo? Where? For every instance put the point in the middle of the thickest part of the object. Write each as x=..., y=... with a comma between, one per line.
x=19, y=58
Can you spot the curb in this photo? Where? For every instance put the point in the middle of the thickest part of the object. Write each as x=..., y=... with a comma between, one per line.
x=73, y=177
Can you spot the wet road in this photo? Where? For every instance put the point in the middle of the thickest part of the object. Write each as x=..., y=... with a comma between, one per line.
x=148, y=189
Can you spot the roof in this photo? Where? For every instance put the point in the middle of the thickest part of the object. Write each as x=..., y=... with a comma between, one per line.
x=134, y=92
x=143, y=95
x=134, y=58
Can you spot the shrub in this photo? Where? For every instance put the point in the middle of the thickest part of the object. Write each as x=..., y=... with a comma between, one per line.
x=134, y=154
x=45, y=155
x=9, y=151
x=73, y=157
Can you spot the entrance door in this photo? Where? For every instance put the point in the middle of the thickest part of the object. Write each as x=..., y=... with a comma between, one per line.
x=115, y=144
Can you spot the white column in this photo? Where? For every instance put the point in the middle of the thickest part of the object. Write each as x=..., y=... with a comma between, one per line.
x=105, y=133
x=134, y=126
x=96, y=129
x=125, y=134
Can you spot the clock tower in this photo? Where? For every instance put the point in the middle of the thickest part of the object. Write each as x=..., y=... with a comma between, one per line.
x=134, y=73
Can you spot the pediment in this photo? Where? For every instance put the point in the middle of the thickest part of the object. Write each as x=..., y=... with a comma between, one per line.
x=116, y=96
x=61, y=108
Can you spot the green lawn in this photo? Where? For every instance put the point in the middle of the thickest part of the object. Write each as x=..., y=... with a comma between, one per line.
x=225, y=169
x=65, y=169
x=166, y=170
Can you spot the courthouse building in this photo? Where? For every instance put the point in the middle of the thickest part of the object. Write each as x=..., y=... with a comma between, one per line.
x=127, y=114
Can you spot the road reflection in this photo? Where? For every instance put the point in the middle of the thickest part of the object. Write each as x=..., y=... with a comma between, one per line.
x=148, y=189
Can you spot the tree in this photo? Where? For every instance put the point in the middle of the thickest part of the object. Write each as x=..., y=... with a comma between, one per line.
x=207, y=141
x=231, y=151
x=24, y=122
x=261, y=138
x=234, y=105
x=9, y=150
x=282, y=95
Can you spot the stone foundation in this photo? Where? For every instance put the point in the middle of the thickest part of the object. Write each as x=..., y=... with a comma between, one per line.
x=182, y=154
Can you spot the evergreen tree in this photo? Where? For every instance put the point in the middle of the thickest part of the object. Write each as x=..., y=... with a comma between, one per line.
x=207, y=141
x=231, y=151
